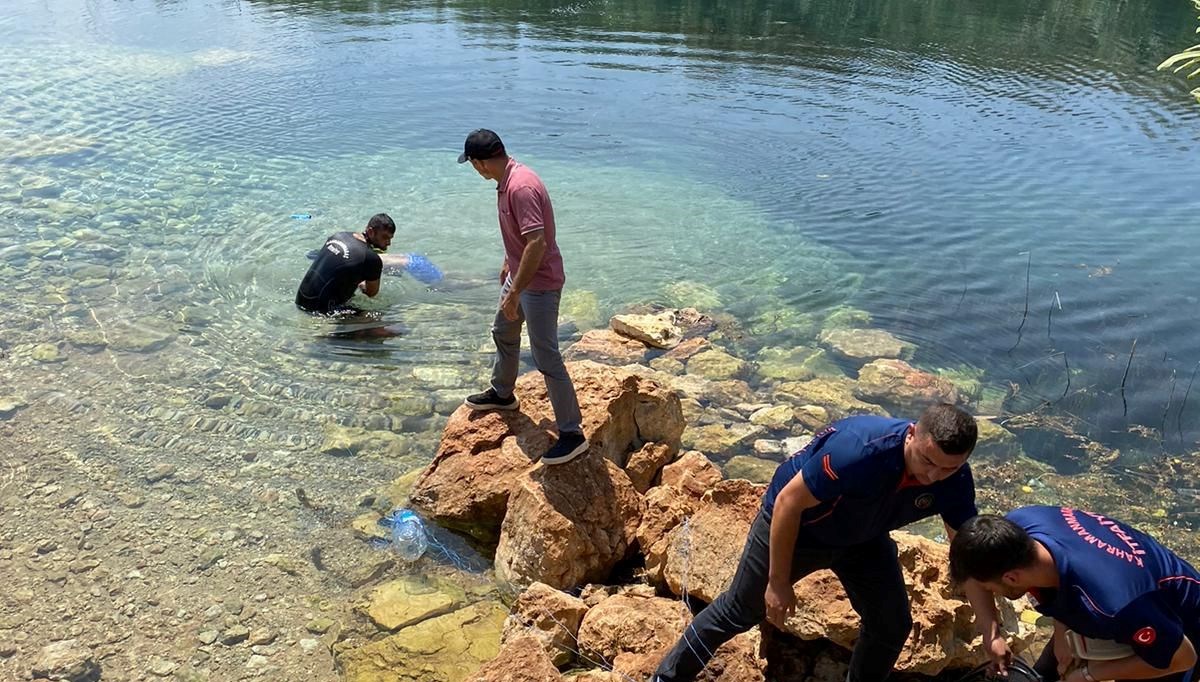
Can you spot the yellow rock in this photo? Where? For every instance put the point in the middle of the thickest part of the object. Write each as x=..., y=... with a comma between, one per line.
x=447, y=648
x=1160, y=513
x=1027, y=490
x=1030, y=616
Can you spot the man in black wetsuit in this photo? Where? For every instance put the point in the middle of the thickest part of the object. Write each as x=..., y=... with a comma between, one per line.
x=346, y=262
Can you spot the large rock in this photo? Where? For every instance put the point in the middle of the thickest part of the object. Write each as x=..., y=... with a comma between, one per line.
x=68, y=660
x=943, y=635
x=607, y=346
x=703, y=553
x=483, y=454
x=521, y=659
x=410, y=600
x=835, y=394
x=897, y=384
x=550, y=616
x=865, y=345
x=658, y=331
x=644, y=464
x=684, y=484
x=568, y=524
x=631, y=623
x=448, y=648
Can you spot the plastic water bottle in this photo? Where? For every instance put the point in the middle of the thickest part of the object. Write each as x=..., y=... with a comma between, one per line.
x=408, y=534
x=301, y=216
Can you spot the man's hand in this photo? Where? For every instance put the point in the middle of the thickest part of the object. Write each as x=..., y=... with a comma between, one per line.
x=508, y=305
x=1000, y=654
x=781, y=603
x=503, y=273
x=1063, y=654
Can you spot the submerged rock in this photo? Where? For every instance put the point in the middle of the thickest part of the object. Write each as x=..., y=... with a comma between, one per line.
x=996, y=441
x=47, y=353
x=897, y=384
x=691, y=294
x=752, y=469
x=794, y=364
x=865, y=345
x=716, y=365
x=9, y=406
x=447, y=648
x=719, y=438
x=410, y=600
x=835, y=395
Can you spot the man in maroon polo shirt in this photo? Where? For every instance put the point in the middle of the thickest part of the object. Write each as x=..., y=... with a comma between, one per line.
x=531, y=281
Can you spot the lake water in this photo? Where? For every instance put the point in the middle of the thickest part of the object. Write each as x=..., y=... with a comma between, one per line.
x=1010, y=186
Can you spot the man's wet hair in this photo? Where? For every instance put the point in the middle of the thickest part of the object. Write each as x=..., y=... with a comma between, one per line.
x=381, y=221
x=988, y=546
x=951, y=427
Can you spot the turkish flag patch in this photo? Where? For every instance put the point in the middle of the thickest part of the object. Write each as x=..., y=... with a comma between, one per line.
x=1145, y=636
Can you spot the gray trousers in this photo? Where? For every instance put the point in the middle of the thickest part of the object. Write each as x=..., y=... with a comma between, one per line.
x=539, y=309
x=870, y=574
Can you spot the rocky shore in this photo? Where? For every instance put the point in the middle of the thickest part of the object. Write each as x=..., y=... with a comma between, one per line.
x=135, y=554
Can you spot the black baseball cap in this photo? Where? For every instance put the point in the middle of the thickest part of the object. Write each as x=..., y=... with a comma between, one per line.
x=481, y=144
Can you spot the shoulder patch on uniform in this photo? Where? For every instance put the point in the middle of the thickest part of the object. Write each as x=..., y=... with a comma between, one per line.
x=1145, y=636
x=827, y=465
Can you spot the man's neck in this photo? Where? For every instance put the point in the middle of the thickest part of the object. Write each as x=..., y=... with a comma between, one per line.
x=503, y=173
x=1045, y=570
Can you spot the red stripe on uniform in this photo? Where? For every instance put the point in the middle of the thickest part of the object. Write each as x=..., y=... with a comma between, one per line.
x=828, y=468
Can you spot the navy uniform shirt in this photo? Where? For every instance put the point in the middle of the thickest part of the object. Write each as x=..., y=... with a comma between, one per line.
x=855, y=468
x=1115, y=583
x=331, y=280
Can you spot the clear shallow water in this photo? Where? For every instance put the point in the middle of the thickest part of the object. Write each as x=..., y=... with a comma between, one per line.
x=900, y=159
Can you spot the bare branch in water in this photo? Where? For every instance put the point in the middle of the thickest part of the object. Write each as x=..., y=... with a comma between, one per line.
x=1124, y=404
x=1162, y=437
x=1028, y=267
x=1179, y=415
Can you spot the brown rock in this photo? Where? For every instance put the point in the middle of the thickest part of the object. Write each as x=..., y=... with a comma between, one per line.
x=568, y=524
x=68, y=660
x=520, y=659
x=943, y=636
x=643, y=465
x=692, y=472
x=704, y=553
x=687, y=348
x=606, y=346
x=484, y=454
x=550, y=616
x=895, y=383
x=629, y=623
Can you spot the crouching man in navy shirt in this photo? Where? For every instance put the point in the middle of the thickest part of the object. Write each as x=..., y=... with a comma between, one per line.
x=1096, y=577
x=831, y=505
